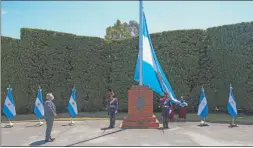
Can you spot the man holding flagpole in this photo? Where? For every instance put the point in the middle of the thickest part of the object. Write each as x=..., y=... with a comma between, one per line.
x=203, y=107
x=9, y=106
x=232, y=106
x=39, y=108
x=72, y=106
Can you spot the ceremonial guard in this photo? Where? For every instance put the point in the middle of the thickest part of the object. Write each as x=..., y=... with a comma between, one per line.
x=182, y=109
x=112, y=108
x=165, y=104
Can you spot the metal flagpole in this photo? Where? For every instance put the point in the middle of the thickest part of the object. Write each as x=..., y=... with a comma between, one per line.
x=71, y=122
x=40, y=122
x=71, y=119
x=140, y=42
x=10, y=123
x=233, y=123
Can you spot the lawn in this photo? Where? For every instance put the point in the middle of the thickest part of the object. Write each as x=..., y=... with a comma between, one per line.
x=214, y=118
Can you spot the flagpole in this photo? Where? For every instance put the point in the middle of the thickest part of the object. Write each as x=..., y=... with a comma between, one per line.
x=10, y=123
x=40, y=122
x=71, y=119
x=140, y=42
x=233, y=118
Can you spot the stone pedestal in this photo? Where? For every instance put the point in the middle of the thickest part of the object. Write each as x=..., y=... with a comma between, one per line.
x=140, y=109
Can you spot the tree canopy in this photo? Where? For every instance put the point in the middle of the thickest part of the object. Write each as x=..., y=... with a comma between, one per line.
x=122, y=30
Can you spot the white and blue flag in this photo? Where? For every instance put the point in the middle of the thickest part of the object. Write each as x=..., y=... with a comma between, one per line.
x=203, y=106
x=231, y=103
x=152, y=73
x=72, y=106
x=38, y=106
x=9, y=105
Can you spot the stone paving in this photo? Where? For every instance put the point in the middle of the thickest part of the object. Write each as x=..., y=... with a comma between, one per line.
x=89, y=133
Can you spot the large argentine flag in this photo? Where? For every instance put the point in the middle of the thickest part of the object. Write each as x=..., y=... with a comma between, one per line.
x=38, y=106
x=203, y=107
x=9, y=105
x=152, y=73
x=231, y=103
x=72, y=107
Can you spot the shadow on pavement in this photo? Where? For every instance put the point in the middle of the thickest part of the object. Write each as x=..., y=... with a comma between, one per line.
x=95, y=137
x=7, y=126
x=106, y=128
x=38, y=143
x=36, y=125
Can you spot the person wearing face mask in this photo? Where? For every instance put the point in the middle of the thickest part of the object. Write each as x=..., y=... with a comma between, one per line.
x=50, y=113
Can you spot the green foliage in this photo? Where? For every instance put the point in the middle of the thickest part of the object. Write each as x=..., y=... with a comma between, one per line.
x=56, y=62
x=211, y=58
x=122, y=30
x=230, y=48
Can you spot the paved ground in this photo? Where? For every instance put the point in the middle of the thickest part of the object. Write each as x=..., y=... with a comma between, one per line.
x=89, y=133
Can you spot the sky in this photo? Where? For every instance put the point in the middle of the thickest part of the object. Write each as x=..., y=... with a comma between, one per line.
x=91, y=18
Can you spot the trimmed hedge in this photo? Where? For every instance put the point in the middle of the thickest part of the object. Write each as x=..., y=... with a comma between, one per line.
x=56, y=61
x=231, y=47
x=10, y=72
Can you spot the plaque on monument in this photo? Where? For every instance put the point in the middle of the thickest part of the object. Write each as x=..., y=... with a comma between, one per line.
x=140, y=109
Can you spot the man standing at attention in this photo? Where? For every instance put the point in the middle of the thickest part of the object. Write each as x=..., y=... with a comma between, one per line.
x=50, y=113
x=166, y=109
x=112, y=108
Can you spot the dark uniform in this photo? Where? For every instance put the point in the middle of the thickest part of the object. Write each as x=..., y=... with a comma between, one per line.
x=112, y=107
x=50, y=113
x=165, y=103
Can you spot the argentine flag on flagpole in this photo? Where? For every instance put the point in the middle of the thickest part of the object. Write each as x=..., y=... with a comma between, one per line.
x=38, y=107
x=151, y=72
x=9, y=105
x=72, y=106
x=203, y=107
x=231, y=103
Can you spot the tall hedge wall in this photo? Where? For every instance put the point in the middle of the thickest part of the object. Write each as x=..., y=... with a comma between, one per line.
x=230, y=48
x=56, y=61
x=10, y=71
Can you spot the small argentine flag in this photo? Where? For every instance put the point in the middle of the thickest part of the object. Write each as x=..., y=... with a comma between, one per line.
x=203, y=107
x=72, y=107
x=9, y=105
x=231, y=103
x=38, y=107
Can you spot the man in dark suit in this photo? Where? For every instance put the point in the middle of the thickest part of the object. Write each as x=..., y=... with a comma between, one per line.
x=50, y=113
